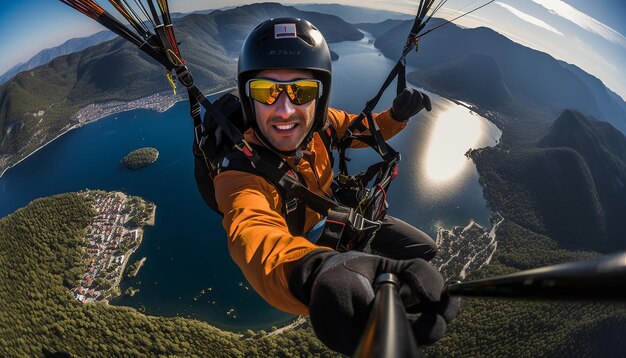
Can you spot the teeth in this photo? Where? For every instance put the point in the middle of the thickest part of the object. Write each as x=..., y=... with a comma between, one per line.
x=284, y=127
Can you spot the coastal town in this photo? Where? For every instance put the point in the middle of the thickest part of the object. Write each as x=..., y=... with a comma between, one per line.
x=462, y=250
x=160, y=102
x=113, y=235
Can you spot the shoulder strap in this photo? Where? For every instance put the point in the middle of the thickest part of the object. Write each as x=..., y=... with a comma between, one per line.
x=330, y=140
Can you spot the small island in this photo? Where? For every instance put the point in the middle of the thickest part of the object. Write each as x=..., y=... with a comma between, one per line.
x=140, y=158
x=334, y=56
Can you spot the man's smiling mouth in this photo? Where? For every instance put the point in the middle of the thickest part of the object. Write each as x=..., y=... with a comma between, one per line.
x=285, y=127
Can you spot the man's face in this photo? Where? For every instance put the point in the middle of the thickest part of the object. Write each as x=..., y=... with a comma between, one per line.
x=283, y=123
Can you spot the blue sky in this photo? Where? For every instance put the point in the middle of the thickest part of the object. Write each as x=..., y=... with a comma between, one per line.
x=590, y=34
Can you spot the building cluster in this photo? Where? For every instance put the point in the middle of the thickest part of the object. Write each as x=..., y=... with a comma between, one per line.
x=158, y=102
x=107, y=242
x=465, y=249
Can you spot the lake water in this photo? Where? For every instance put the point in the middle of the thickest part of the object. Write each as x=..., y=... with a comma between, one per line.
x=186, y=249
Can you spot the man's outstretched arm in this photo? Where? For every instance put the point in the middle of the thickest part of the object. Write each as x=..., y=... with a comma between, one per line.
x=391, y=121
x=258, y=237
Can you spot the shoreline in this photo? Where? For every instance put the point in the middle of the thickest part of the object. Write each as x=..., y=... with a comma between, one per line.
x=148, y=222
x=36, y=150
x=127, y=106
x=298, y=322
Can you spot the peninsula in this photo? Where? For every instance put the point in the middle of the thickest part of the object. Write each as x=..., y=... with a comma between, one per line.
x=113, y=235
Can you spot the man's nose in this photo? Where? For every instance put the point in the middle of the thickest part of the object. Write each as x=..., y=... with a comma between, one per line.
x=284, y=107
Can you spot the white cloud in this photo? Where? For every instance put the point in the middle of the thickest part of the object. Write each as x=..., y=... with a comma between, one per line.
x=566, y=11
x=530, y=19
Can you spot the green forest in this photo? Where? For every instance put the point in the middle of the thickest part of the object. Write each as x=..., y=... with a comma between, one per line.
x=40, y=250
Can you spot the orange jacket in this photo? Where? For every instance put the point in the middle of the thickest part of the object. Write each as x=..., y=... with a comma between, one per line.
x=258, y=237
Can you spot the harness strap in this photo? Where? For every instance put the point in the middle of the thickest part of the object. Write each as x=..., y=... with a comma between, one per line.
x=197, y=98
x=375, y=138
x=329, y=138
x=286, y=181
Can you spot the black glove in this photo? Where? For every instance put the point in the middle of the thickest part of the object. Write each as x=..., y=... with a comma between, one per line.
x=337, y=288
x=409, y=103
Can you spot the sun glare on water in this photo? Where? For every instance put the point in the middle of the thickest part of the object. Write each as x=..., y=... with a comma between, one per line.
x=452, y=134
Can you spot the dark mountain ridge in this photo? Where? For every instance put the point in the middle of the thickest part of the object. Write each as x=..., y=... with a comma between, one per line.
x=603, y=150
x=377, y=29
x=536, y=81
x=571, y=185
x=475, y=78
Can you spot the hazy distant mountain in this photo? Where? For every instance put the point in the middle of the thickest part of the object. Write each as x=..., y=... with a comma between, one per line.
x=379, y=28
x=37, y=104
x=475, y=78
x=232, y=26
x=47, y=55
x=355, y=14
x=178, y=15
x=535, y=80
x=611, y=104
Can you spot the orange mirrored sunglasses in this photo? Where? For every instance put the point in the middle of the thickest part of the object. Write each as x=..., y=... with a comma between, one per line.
x=299, y=91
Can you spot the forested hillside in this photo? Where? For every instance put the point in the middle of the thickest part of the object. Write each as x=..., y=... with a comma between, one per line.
x=569, y=185
x=40, y=251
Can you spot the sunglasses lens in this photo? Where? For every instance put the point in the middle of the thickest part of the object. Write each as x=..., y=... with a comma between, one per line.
x=264, y=91
x=299, y=92
x=303, y=91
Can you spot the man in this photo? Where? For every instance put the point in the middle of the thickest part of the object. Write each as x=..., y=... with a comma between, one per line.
x=284, y=80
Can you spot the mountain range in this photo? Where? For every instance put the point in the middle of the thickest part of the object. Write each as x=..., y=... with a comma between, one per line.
x=600, y=154
x=454, y=61
x=560, y=169
x=47, y=55
x=355, y=14
x=38, y=104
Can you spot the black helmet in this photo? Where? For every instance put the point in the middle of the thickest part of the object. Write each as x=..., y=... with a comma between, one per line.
x=285, y=43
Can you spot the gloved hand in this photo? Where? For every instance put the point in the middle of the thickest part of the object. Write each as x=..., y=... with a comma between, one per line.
x=409, y=103
x=337, y=288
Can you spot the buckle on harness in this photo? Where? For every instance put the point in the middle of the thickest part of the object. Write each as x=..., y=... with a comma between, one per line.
x=342, y=178
x=244, y=147
x=184, y=76
x=199, y=134
x=291, y=205
x=346, y=230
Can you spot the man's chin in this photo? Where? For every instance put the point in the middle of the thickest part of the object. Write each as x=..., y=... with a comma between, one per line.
x=286, y=148
x=285, y=145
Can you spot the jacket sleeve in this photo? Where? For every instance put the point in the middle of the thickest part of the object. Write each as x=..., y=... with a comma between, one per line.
x=258, y=237
x=389, y=127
